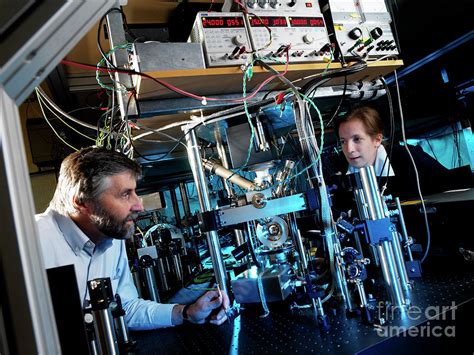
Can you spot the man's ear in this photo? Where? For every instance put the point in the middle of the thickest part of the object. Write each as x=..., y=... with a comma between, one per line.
x=80, y=206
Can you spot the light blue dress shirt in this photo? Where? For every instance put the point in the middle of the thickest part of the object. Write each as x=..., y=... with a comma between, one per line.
x=63, y=243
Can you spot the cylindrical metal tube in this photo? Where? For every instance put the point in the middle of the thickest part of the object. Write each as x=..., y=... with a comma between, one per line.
x=260, y=133
x=239, y=237
x=400, y=261
x=301, y=251
x=178, y=267
x=362, y=295
x=223, y=157
x=122, y=329
x=390, y=274
x=138, y=283
x=227, y=174
x=93, y=347
x=341, y=280
x=295, y=232
x=200, y=180
x=105, y=332
x=184, y=199
x=163, y=269
x=361, y=204
x=174, y=202
x=282, y=175
x=151, y=283
x=221, y=149
x=91, y=334
x=371, y=192
x=403, y=226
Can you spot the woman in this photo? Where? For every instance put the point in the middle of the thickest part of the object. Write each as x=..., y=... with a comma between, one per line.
x=360, y=134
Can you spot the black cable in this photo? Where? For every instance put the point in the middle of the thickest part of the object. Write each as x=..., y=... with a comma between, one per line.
x=252, y=251
x=340, y=102
x=431, y=148
x=101, y=21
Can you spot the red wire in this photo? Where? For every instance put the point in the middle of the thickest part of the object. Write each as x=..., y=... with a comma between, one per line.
x=210, y=6
x=182, y=92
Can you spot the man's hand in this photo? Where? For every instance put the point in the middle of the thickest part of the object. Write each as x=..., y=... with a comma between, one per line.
x=214, y=304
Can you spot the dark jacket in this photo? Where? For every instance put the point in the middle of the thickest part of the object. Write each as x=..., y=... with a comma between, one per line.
x=433, y=176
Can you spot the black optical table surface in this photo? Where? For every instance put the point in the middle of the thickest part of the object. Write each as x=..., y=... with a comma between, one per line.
x=282, y=332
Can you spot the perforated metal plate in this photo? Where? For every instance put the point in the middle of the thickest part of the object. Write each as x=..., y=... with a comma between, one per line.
x=289, y=333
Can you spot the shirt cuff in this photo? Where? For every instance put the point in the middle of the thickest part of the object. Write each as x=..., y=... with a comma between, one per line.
x=168, y=311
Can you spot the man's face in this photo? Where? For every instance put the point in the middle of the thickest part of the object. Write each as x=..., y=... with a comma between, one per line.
x=359, y=148
x=117, y=208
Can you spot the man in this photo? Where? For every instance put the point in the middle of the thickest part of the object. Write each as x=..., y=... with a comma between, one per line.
x=91, y=214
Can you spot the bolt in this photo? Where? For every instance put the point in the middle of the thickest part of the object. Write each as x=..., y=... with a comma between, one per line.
x=273, y=229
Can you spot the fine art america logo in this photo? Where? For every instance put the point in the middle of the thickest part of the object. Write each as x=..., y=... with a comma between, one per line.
x=439, y=321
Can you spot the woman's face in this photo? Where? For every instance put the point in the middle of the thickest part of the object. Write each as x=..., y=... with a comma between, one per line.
x=359, y=148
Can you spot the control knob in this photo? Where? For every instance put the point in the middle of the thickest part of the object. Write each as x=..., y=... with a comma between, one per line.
x=238, y=40
x=274, y=3
x=308, y=39
x=376, y=33
x=251, y=3
x=355, y=33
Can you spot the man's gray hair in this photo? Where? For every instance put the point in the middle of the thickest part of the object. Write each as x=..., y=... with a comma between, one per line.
x=85, y=174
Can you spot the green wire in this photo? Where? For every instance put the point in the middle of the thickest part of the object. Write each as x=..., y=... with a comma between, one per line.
x=322, y=139
x=248, y=74
x=120, y=86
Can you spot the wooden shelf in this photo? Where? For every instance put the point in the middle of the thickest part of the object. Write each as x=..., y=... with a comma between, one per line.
x=228, y=80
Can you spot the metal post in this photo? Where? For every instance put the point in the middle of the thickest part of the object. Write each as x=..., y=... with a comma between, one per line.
x=390, y=272
x=372, y=195
x=363, y=296
x=342, y=282
x=398, y=253
x=223, y=157
x=174, y=202
x=120, y=59
x=309, y=147
x=194, y=157
x=151, y=284
x=239, y=235
x=184, y=199
x=105, y=332
x=392, y=263
x=299, y=244
x=403, y=226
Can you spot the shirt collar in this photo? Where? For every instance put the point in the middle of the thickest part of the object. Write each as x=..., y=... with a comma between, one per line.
x=381, y=162
x=75, y=237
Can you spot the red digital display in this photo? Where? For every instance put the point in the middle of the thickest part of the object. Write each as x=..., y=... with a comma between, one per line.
x=222, y=22
x=268, y=21
x=306, y=22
